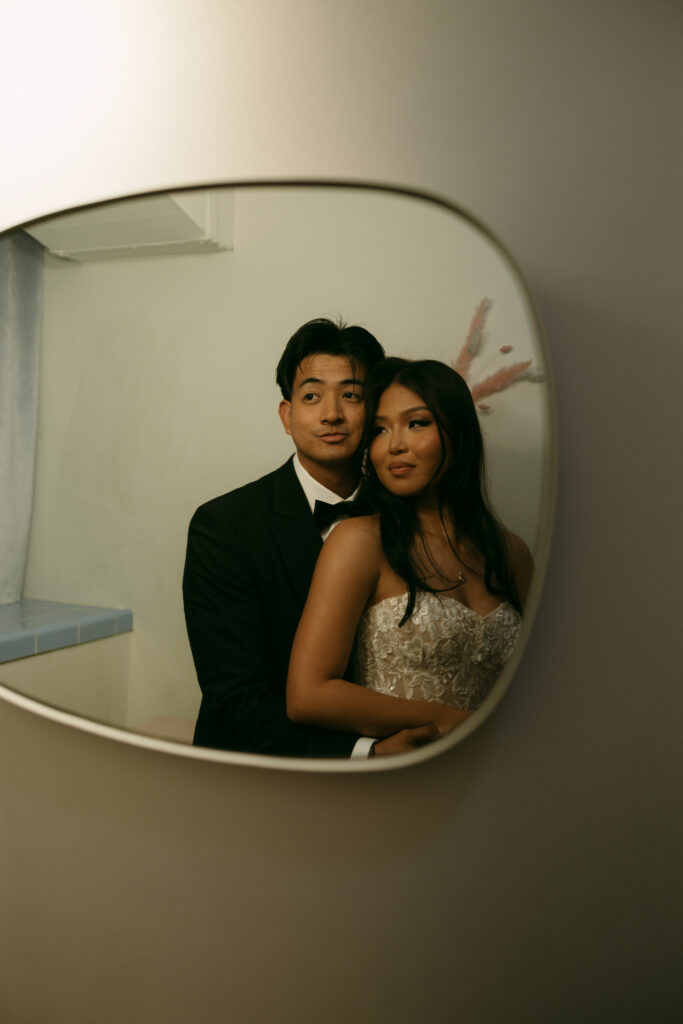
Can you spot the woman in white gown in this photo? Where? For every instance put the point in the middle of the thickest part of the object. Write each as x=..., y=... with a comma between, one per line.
x=431, y=586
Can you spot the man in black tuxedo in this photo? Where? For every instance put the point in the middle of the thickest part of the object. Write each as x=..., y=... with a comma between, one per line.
x=251, y=555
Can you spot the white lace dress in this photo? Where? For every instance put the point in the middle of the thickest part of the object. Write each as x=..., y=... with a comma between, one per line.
x=445, y=652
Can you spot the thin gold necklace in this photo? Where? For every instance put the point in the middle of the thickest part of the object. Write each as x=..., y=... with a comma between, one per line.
x=452, y=584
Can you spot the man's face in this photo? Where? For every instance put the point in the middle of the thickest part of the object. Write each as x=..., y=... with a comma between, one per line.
x=326, y=414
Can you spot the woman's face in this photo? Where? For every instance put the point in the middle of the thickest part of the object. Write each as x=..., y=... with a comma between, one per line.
x=406, y=449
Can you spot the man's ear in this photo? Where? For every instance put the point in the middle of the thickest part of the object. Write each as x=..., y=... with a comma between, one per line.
x=285, y=411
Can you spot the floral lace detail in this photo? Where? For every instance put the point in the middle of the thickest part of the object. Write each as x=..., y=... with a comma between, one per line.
x=445, y=652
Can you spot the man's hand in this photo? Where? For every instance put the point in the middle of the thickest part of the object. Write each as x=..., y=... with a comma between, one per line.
x=408, y=739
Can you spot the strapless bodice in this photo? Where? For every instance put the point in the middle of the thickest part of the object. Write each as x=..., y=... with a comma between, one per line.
x=445, y=652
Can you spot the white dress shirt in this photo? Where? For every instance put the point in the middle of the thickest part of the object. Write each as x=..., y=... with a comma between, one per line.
x=315, y=491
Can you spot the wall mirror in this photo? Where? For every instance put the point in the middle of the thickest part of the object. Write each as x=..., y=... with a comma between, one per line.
x=163, y=318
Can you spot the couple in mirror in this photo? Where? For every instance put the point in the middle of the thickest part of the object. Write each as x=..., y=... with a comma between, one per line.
x=362, y=599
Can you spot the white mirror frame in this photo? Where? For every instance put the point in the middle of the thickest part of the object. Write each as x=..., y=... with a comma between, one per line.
x=541, y=552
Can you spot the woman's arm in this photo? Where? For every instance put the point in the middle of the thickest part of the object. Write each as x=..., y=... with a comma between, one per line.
x=344, y=581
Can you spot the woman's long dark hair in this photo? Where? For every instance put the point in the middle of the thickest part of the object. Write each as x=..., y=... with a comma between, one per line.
x=461, y=490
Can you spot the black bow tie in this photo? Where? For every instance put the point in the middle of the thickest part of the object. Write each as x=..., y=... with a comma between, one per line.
x=325, y=514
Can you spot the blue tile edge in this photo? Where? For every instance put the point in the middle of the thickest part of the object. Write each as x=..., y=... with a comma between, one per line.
x=33, y=626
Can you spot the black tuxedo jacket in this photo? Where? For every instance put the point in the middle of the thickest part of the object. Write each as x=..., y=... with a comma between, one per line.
x=250, y=559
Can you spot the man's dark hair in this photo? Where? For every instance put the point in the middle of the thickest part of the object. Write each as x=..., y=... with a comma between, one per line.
x=323, y=336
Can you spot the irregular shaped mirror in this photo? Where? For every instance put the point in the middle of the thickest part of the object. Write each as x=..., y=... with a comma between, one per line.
x=163, y=320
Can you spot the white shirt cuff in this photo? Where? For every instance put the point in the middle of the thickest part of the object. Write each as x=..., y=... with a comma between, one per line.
x=362, y=747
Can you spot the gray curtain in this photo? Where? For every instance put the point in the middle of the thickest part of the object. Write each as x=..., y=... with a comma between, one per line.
x=20, y=323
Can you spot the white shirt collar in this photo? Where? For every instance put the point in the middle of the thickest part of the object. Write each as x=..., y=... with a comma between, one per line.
x=314, y=490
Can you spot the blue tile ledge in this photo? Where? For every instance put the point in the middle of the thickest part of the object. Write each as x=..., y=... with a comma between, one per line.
x=32, y=626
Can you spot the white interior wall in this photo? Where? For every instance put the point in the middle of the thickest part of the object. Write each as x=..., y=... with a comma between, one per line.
x=530, y=874
x=158, y=392
x=89, y=679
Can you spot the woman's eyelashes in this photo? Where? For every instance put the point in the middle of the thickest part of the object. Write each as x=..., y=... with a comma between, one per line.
x=412, y=424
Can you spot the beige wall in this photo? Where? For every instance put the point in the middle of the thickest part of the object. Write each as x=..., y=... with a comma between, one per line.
x=529, y=874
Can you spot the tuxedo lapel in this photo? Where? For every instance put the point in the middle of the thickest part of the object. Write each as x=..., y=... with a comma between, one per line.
x=294, y=529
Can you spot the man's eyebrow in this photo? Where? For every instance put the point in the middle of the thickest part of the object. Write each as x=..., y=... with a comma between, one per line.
x=318, y=380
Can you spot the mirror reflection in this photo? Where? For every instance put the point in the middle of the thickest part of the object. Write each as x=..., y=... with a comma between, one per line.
x=164, y=321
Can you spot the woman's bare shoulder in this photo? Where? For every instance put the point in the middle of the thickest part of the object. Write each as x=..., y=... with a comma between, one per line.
x=521, y=562
x=350, y=557
x=354, y=542
x=516, y=546
x=357, y=530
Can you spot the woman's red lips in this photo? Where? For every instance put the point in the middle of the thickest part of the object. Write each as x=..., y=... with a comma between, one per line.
x=399, y=468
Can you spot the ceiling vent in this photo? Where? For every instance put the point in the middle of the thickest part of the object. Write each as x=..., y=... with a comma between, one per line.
x=157, y=225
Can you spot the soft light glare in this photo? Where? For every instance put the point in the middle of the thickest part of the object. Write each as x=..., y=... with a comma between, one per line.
x=76, y=66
